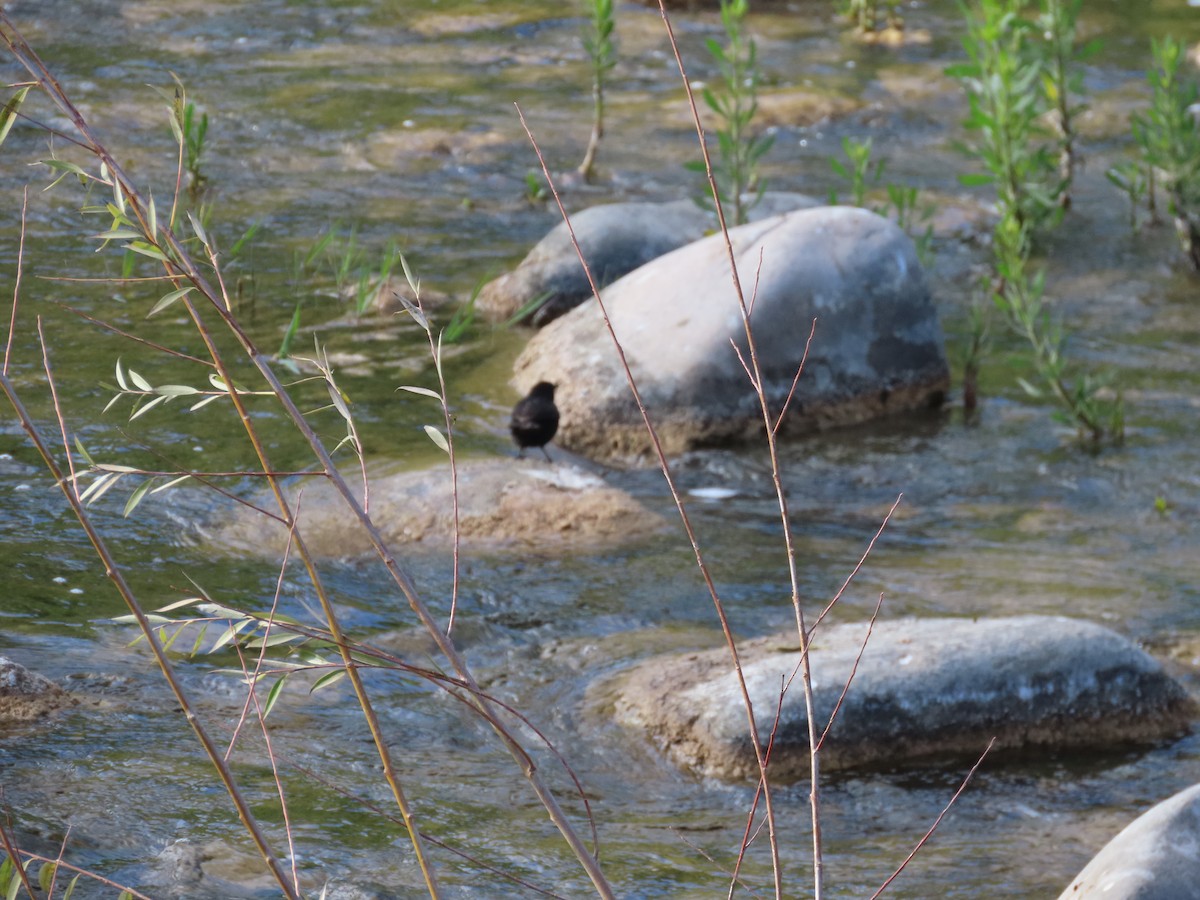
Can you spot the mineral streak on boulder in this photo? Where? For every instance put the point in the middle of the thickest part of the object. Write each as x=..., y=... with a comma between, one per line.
x=878, y=347
x=924, y=688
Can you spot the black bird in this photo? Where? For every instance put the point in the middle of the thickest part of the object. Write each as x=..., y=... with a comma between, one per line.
x=535, y=419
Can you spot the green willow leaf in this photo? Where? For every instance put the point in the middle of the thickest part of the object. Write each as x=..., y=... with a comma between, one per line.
x=168, y=299
x=136, y=497
x=8, y=115
x=437, y=437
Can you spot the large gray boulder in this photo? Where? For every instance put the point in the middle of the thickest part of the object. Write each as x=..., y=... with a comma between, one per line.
x=615, y=238
x=924, y=688
x=556, y=508
x=878, y=346
x=1156, y=857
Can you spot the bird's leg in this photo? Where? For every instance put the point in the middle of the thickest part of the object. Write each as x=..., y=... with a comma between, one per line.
x=546, y=454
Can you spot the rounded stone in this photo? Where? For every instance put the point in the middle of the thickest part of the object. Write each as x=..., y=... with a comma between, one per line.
x=877, y=349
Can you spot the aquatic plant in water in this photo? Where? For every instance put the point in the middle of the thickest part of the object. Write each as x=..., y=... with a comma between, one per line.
x=1169, y=141
x=1007, y=114
x=901, y=204
x=739, y=149
x=1012, y=84
x=602, y=56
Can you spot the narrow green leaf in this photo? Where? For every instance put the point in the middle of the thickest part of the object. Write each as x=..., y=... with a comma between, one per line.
x=339, y=402
x=207, y=400
x=144, y=408
x=136, y=497
x=168, y=640
x=414, y=310
x=176, y=390
x=168, y=299
x=87, y=457
x=275, y=639
x=152, y=618
x=424, y=392
x=180, y=604
x=199, y=229
x=170, y=484
x=67, y=168
x=46, y=875
x=71, y=886
x=412, y=280
x=975, y=179
x=244, y=239
x=1030, y=389
x=152, y=217
x=98, y=488
x=231, y=632
x=273, y=695
x=199, y=640
x=118, y=234
x=437, y=437
x=119, y=198
x=146, y=250
x=327, y=679
x=8, y=115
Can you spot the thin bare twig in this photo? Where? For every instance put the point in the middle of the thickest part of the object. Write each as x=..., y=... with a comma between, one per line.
x=837, y=707
x=12, y=324
x=112, y=568
x=178, y=262
x=59, y=863
x=665, y=467
x=748, y=837
x=435, y=348
x=861, y=561
x=10, y=848
x=795, y=381
x=733, y=875
x=108, y=326
x=252, y=694
x=936, y=822
x=758, y=380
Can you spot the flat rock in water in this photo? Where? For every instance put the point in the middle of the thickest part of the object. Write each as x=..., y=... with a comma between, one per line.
x=1156, y=857
x=502, y=503
x=615, y=238
x=878, y=347
x=924, y=688
x=26, y=695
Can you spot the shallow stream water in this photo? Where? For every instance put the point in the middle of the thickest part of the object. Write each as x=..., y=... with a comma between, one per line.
x=396, y=119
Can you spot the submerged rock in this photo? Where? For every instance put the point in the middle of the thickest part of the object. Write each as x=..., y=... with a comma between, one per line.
x=616, y=238
x=501, y=503
x=878, y=346
x=26, y=695
x=924, y=688
x=1156, y=857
